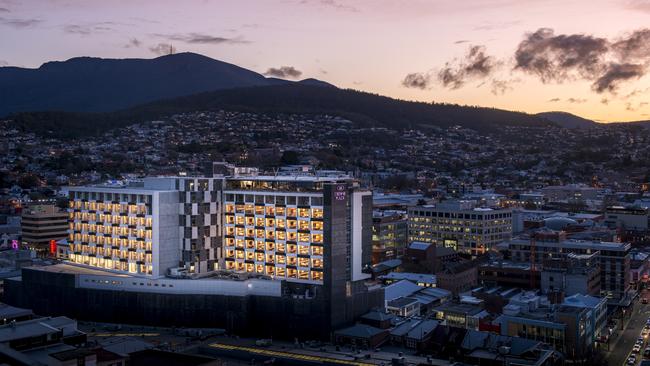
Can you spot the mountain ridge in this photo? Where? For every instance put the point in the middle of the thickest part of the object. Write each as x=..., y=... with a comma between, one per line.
x=93, y=84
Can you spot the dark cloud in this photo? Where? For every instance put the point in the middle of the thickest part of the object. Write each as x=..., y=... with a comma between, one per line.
x=133, y=42
x=283, y=72
x=500, y=87
x=162, y=49
x=634, y=47
x=554, y=100
x=560, y=57
x=20, y=23
x=5, y=10
x=199, y=38
x=417, y=80
x=475, y=65
x=604, y=101
x=615, y=74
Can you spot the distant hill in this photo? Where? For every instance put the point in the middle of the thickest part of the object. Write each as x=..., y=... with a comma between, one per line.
x=87, y=84
x=363, y=108
x=568, y=120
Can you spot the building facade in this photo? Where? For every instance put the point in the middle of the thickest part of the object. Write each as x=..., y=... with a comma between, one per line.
x=42, y=224
x=460, y=225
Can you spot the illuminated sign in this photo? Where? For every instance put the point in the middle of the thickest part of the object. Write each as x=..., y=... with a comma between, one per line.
x=339, y=195
x=52, y=247
x=14, y=244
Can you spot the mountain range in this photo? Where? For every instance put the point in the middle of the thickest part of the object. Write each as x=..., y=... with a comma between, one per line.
x=87, y=84
x=92, y=95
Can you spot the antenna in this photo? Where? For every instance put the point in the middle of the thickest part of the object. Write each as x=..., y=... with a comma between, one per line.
x=171, y=49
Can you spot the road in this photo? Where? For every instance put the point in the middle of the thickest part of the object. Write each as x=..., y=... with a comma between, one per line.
x=623, y=347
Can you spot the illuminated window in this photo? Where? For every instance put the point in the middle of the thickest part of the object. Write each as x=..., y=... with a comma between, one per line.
x=317, y=225
x=259, y=210
x=317, y=263
x=250, y=268
x=259, y=221
x=279, y=211
x=250, y=244
x=291, y=248
x=280, y=272
x=260, y=245
x=280, y=223
x=303, y=262
x=303, y=225
x=303, y=275
x=291, y=261
x=317, y=213
x=259, y=268
x=291, y=236
x=270, y=234
x=270, y=270
x=270, y=210
x=281, y=235
x=303, y=212
x=291, y=212
x=317, y=238
x=303, y=237
x=292, y=273
x=270, y=222
x=239, y=254
x=259, y=257
x=281, y=259
x=316, y=250
x=317, y=275
x=303, y=250
x=280, y=247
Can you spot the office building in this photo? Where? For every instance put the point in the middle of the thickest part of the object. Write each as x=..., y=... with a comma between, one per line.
x=460, y=225
x=389, y=235
x=42, y=224
x=612, y=257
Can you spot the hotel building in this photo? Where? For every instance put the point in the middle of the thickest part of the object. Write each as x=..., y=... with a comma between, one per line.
x=460, y=225
x=284, y=254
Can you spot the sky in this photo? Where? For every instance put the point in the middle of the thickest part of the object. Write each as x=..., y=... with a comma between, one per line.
x=590, y=58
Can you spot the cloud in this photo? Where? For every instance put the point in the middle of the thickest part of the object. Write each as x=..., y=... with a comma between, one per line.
x=86, y=29
x=475, y=65
x=639, y=5
x=634, y=47
x=133, y=42
x=162, y=49
x=338, y=5
x=200, y=38
x=554, y=100
x=283, y=72
x=615, y=74
x=417, y=80
x=5, y=10
x=488, y=26
x=500, y=87
x=20, y=23
x=576, y=100
x=560, y=57
x=604, y=101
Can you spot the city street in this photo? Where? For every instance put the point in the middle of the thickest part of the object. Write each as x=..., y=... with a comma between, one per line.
x=621, y=350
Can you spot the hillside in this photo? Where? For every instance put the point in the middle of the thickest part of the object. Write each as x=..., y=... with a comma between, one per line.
x=568, y=120
x=360, y=107
x=86, y=84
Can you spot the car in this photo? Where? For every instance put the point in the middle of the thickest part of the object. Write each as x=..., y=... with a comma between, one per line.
x=631, y=360
x=636, y=348
x=646, y=352
x=640, y=340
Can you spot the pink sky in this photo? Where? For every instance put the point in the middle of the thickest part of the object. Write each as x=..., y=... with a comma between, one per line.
x=369, y=45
